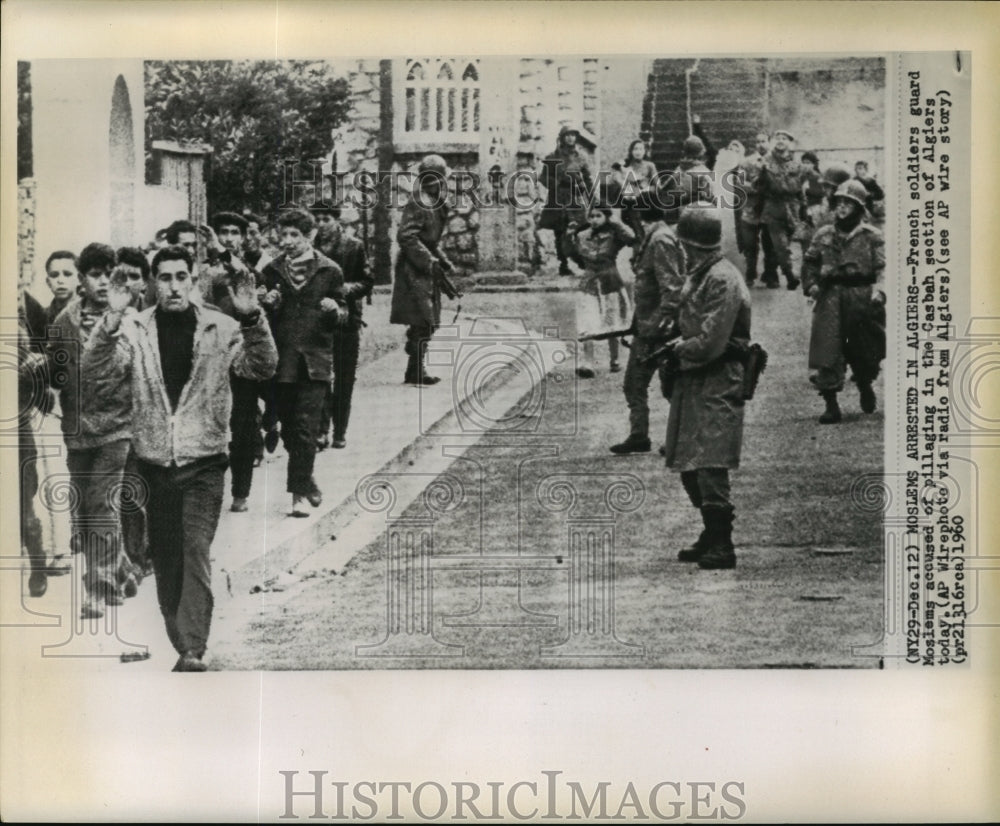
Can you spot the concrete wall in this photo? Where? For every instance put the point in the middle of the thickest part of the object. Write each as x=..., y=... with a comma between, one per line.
x=75, y=188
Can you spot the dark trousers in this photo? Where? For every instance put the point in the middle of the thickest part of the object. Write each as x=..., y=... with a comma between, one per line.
x=562, y=247
x=417, y=336
x=96, y=474
x=636, y=386
x=182, y=523
x=300, y=408
x=337, y=408
x=779, y=234
x=133, y=514
x=752, y=237
x=31, y=525
x=244, y=426
x=707, y=487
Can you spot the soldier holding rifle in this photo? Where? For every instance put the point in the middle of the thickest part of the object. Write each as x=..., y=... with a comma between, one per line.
x=421, y=267
x=659, y=276
x=709, y=355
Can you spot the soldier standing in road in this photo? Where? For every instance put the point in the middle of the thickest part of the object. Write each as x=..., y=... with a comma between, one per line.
x=568, y=182
x=705, y=428
x=842, y=273
x=348, y=253
x=780, y=188
x=420, y=265
x=659, y=276
x=751, y=234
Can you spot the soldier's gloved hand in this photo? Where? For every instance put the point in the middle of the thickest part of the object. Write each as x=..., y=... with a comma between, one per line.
x=878, y=297
x=270, y=298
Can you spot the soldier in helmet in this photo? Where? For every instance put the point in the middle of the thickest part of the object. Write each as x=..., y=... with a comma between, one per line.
x=822, y=213
x=842, y=273
x=659, y=276
x=690, y=182
x=705, y=428
x=751, y=235
x=416, y=292
x=567, y=180
x=780, y=188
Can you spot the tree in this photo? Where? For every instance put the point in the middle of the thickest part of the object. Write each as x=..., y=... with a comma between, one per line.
x=254, y=114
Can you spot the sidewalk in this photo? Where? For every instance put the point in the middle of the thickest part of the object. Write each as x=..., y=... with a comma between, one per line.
x=256, y=552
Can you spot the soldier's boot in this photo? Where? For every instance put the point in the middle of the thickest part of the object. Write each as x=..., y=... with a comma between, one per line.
x=792, y=281
x=697, y=550
x=719, y=553
x=868, y=403
x=832, y=413
x=412, y=365
x=635, y=443
x=421, y=377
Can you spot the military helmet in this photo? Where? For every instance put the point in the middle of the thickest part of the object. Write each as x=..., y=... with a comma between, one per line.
x=853, y=191
x=835, y=174
x=433, y=163
x=700, y=226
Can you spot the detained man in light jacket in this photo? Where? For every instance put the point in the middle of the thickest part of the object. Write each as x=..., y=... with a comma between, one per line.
x=178, y=356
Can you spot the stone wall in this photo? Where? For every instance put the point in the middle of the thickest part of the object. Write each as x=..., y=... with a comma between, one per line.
x=26, y=232
x=551, y=92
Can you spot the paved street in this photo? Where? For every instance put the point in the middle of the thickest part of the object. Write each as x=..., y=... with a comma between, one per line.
x=517, y=541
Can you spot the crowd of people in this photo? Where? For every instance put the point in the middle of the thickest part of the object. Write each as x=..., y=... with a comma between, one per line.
x=175, y=364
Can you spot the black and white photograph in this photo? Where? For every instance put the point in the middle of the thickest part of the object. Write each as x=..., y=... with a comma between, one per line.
x=496, y=373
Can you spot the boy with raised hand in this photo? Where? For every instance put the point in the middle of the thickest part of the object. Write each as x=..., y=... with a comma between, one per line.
x=97, y=429
x=176, y=358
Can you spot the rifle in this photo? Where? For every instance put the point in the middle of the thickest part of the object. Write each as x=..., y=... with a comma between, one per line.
x=608, y=334
x=440, y=269
x=753, y=357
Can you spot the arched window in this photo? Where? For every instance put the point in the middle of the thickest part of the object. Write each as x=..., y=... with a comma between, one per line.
x=440, y=98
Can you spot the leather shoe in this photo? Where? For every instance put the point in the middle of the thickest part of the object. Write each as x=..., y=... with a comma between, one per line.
x=339, y=443
x=190, y=662
x=271, y=440
x=38, y=583
x=239, y=505
x=315, y=497
x=633, y=444
x=59, y=566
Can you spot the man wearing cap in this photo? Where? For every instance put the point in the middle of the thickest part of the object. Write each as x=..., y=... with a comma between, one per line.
x=751, y=235
x=780, y=187
x=224, y=269
x=568, y=182
x=659, y=276
x=420, y=263
x=348, y=253
x=842, y=272
x=705, y=427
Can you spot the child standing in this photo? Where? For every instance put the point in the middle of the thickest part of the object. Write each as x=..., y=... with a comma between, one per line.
x=602, y=300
